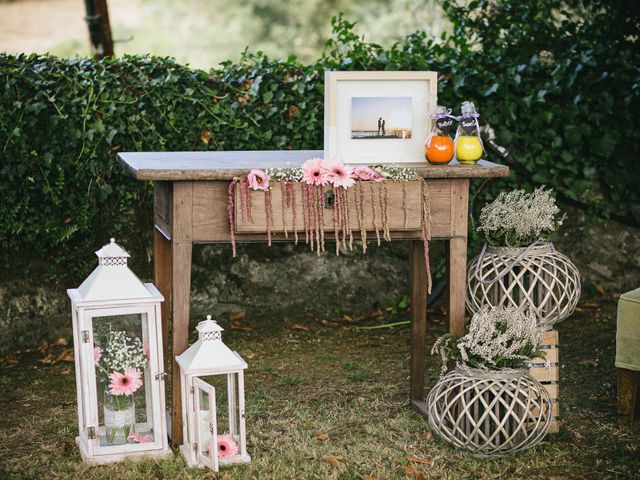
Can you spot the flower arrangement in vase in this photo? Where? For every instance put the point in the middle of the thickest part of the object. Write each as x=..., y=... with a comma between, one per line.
x=490, y=404
x=519, y=265
x=120, y=361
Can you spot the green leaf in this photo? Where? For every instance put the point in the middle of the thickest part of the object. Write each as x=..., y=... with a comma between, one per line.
x=492, y=89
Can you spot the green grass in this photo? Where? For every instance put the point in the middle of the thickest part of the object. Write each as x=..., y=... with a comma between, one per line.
x=331, y=403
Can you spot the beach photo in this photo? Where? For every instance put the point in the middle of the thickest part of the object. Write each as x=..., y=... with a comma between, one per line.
x=381, y=118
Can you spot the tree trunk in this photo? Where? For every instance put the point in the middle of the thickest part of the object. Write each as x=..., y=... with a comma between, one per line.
x=99, y=28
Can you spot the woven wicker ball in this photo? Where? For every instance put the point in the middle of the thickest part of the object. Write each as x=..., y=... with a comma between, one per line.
x=489, y=413
x=543, y=279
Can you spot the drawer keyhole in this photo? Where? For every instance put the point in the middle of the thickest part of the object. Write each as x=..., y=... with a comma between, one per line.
x=329, y=199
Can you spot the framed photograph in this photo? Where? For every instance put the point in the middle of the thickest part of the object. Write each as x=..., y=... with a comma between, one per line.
x=378, y=117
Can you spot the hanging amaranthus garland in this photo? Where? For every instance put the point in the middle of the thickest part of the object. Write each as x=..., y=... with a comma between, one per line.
x=359, y=196
x=230, y=212
x=425, y=230
x=317, y=178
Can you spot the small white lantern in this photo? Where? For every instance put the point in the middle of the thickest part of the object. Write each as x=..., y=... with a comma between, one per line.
x=213, y=435
x=119, y=364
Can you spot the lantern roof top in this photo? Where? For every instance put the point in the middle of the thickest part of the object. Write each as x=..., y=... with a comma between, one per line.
x=112, y=249
x=209, y=353
x=208, y=325
x=112, y=279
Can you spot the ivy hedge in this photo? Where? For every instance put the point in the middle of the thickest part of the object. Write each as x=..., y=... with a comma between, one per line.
x=557, y=80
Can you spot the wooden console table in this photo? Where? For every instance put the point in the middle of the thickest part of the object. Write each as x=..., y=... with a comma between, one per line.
x=190, y=206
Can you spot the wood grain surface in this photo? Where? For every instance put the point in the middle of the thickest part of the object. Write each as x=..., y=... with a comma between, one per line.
x=227, y=165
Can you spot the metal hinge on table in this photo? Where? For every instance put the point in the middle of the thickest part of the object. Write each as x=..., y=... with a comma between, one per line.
x=91, y=432
x=85, y=336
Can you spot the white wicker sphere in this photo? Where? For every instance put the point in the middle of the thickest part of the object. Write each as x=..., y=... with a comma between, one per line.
x=489, y=413
x=544, y=280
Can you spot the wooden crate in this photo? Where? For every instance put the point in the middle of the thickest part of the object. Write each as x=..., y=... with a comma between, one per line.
x=549, y=376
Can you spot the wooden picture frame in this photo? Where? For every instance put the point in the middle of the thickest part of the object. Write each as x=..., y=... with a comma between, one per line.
x=355, y=100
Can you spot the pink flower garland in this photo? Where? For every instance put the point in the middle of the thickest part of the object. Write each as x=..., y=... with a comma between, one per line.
x=315, y=175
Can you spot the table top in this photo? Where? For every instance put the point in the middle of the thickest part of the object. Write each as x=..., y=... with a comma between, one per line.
x=181, y=166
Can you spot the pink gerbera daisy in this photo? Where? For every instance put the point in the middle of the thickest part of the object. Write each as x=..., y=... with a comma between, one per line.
x=314, y=172
x=140, y=438
x=258, y=180
x=97, y=355
x=226, y=446
x=125, y=384
x=340, y=175
x=363, y=173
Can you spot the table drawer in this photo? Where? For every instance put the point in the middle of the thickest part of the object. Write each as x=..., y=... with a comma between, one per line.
x=403, y=202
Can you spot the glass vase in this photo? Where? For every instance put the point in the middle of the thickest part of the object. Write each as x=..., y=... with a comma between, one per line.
x=119, y=417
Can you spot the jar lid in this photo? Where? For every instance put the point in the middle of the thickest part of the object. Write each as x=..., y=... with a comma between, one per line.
x=468, y=107
x=441, y=110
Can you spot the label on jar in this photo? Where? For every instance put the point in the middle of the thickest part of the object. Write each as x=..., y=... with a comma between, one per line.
x=445, y=124
x=468, y=124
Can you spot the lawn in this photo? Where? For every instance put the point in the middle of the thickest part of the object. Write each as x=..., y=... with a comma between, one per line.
x=328, y=401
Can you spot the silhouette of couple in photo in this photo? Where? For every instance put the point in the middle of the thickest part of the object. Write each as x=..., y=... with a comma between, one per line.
x=381, y=123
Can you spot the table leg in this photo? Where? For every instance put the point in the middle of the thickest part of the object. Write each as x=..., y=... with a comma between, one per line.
x=457, y=255
x=162, y=280
x=418, y=322
x=457, y=284
x=181, y=292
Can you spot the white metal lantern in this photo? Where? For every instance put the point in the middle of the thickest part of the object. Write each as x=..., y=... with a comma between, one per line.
x=119, y=363
x=213, y=417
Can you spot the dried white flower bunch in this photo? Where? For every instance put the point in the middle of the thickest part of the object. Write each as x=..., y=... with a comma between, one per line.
x=496, y=338
x=396, y=173
x=518, y=218
x=388, y=172
x=285, y=174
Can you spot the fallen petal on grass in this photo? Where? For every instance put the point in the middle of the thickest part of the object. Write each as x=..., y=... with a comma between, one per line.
x=334, y=461
x=412, y=472
x=413, y=458
x=588, y=363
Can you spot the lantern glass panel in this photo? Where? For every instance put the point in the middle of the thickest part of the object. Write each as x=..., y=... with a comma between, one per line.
x=206, y=431
x=227, y=406
x=122, y=379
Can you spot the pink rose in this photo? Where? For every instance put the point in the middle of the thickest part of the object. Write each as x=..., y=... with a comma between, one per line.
x=258, y=180
x=363, y=173
x=376, y=176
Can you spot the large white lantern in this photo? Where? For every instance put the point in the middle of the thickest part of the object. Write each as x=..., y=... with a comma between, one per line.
x=213, y=417
x=119, y=364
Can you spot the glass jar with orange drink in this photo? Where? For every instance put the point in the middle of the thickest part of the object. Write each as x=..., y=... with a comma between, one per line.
x=439, y=146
